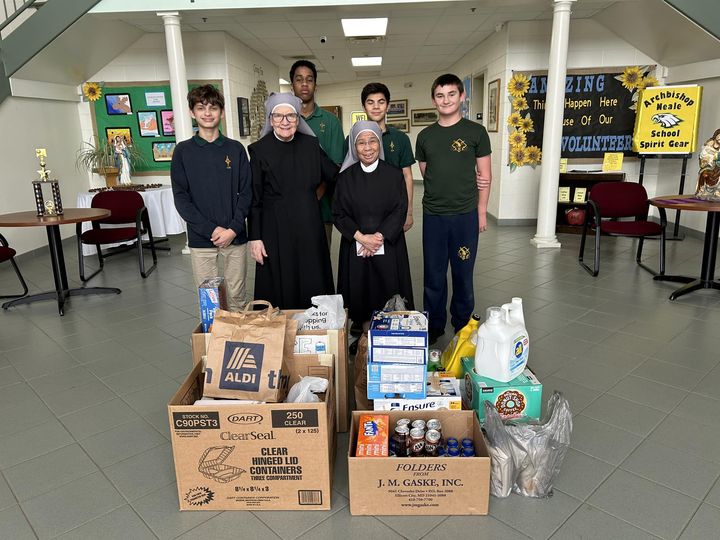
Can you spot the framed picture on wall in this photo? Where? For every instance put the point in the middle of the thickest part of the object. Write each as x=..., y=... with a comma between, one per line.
x=243, y=106
x=123, y=132
x=163, y=151
x=402, y=124
x=148, y=123
x=423, y=117
x=397, y=108
x=493, y=105
x=167, y=119
x=118, y=104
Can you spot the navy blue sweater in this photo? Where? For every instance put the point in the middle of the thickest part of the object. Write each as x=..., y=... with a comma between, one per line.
x=212, y=186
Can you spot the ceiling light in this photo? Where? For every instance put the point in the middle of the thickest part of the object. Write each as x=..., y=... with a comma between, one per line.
x=367, y=61
x=364, y=27
x=283, y=81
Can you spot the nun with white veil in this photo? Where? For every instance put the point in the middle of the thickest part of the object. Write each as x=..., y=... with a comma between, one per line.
x=369, y=210
x=287, y=237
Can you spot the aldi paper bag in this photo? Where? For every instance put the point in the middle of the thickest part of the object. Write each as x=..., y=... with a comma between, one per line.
x=245, y=358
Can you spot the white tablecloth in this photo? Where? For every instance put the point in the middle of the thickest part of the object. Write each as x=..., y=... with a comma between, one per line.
x=164, y=219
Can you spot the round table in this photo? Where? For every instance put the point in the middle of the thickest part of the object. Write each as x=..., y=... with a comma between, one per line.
x=712, y=227
x=57, y=259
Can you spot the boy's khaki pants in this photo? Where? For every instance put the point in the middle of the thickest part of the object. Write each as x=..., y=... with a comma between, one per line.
x=205, y=265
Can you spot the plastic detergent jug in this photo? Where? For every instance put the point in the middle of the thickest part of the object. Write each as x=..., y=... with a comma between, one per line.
x=502, y=343
x=463, y=344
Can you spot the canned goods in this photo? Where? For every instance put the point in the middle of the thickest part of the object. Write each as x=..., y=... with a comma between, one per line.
x=441, y=451
x=452, y=442
x=453, y=452
x=434, y=423
x=417, y=442
x=418, y=424
x=432, y=441
x=467, y=443
x=403, y=422
x=468, y=452
x=400, y=440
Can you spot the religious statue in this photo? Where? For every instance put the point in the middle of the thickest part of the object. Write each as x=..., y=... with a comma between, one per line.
x=122, y=160
x=708, y=186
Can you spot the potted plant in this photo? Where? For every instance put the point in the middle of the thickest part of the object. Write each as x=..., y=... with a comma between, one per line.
x=101, y=159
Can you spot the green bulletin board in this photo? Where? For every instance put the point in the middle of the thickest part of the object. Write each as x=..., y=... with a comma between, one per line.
x=142, y=111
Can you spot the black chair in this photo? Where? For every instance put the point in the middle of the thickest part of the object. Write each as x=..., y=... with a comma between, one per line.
x=126, y=207
x=608, y=203
x=8, y=254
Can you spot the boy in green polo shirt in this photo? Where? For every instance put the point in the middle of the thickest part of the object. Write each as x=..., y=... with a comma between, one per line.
x=327, y=128
x=375, y=99
x=454, y=158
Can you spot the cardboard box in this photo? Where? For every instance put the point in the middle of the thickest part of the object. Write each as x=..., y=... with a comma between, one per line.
x=212, y=295
x=442, y=393
x=396, y=380
x=276, y=456
x=422, y=486
x=337, y=344
x=398, y=337
x=519, y=399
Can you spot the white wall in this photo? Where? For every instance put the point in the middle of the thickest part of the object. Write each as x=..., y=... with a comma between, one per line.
x=29, y=124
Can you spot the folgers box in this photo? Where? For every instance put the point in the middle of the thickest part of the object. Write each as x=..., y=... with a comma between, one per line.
x=276, y=456
x=518, y=399
x=212, y=295
x=398, y=337
x=399, y=486
x=442, y=393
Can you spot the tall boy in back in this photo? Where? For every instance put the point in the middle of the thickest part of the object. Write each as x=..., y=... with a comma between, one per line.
x=454, y=158
x=211, y=182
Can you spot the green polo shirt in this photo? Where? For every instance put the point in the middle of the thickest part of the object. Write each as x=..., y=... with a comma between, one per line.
x=397, y=148
x=329, y=132
x=202, y=142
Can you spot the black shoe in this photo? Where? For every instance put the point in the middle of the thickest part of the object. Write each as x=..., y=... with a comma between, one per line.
x=434, y=334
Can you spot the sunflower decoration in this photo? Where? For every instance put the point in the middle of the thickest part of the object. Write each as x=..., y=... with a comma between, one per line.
x=518, y=85
x=631, y=77
x=533, y=155
x=526, y=125
x=92, y=91
x=519, y=104
x=517, y=138
x=647, y=82
x=514, y=120
x=518, y=156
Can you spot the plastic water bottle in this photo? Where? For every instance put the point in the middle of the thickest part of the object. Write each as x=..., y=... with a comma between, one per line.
x=503, y=345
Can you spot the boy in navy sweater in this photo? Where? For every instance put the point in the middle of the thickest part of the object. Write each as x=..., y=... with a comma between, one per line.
x=211, y=183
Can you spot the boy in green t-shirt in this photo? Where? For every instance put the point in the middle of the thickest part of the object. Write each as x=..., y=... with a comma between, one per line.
x=454, y=158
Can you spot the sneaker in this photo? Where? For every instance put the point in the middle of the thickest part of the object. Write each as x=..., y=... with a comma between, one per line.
x=434, y=334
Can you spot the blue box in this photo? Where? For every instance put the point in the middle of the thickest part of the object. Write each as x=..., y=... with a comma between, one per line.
x=406, y=381
x=399, y=337
x=212, y=295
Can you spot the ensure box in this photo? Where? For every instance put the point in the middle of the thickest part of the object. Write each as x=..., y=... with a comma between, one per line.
x=396, y=380
x=520, y=398
x=398, y=337
x=442, y=393
x=212, y=295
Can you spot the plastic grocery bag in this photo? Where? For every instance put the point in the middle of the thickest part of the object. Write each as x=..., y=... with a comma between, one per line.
x=396, y=303
x=304, y=390
x=538, y=449
x=503, y=469
x=327, y=313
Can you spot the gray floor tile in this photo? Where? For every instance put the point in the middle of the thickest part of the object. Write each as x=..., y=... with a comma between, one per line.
x=15, y=525
x=68, y=379
x=65, y=508
x=477, y=527
x=673, y=469
x=136, y=379
x=647, y=505
x=228, y=524
x=144, y=473
x=688, y=435
x=34, y=442
x=122, y=442
x=153, y=399
x=624, y=414
x=680, y=355
x=412, y=527
x=580, y=474
x=710, y=384
x=6, y=495
x=714, y=496
x=43, y=364
x=670, y=374
x=293, y=524
x=15, y=394
x=596, y=376
x=120, y=524
x=23, y=416
x=704, y=409
x=97, y=351
x=102, y=417
x=590, y=523
x=578, y=396
x=75, y=399
x=537, y=518
x=159, y=510
x=49, y=471
x=114, y=364
x=342, y=525
x=159, y=420
x=704, y=524
x=603, y=441
x=545, y=362
x=9, y=375
x=653, y=394
x=629, y=343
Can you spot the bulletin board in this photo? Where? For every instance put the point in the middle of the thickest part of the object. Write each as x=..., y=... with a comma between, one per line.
x=142, y=113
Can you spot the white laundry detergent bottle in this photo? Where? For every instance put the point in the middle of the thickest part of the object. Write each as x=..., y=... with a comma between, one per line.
x=502, y=343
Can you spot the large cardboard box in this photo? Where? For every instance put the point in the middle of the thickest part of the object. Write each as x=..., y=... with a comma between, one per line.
x=422, y=486
x=337, y=344
x=519, y=399
x=276, y=456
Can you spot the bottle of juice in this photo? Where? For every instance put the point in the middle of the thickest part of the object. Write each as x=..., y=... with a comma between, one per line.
x=463, y=344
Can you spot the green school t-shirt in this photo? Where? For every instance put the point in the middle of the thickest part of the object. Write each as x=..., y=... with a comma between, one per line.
x=450, y=155
x=329, y=133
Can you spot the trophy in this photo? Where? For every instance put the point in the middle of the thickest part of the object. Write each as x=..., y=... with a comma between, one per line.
x=52, y=206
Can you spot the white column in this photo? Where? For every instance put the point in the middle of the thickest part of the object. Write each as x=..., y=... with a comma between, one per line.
x=178, y=82
x=552, y=132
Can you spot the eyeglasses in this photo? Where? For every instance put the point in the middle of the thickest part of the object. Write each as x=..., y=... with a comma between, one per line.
x=278, y=117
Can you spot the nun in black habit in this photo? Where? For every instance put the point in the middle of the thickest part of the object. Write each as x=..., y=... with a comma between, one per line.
x=287, y=238
x=369, y=210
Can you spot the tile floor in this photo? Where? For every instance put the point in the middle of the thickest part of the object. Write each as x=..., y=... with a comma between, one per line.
x=84, y=449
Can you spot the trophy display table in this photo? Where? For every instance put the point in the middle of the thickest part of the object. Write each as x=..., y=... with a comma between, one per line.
x=57, y=259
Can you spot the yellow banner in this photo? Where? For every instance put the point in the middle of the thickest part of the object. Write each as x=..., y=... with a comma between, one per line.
x=667, y=120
